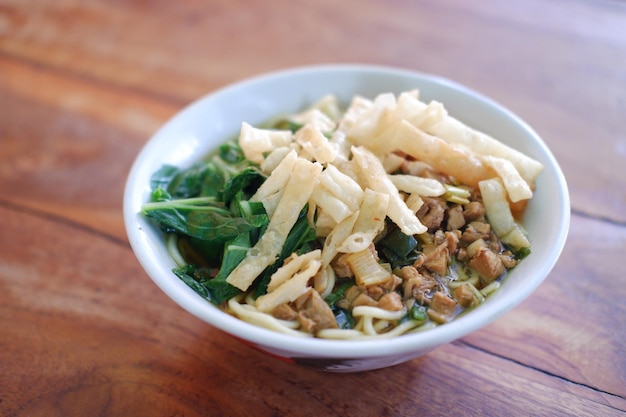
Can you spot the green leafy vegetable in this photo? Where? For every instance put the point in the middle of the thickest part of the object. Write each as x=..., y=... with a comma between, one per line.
x=398, y=249
x=186, y=274
x=339, y=292
x=298, y=241
x=203, y=253
x=159, y=195
x=249, y=176
x=235, y=251
x=189, y=182
x=163, y=177
x=231, y=153
x=208, y=205
x=202, y=218
x=206, y=200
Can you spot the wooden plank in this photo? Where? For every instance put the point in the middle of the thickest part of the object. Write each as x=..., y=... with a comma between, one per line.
x=67, y=144
x=133, y=112
x=573, y=325
x=85, y=332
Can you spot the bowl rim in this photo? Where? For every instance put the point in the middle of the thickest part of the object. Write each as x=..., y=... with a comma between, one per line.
x=315, y=347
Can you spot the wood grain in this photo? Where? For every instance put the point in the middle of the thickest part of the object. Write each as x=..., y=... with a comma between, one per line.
x=73, y=160
x=104, y=341
x=572, y=323
x=562, y=72
x=83, y=85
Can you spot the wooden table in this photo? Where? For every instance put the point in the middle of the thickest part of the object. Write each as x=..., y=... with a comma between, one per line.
x=83, y=85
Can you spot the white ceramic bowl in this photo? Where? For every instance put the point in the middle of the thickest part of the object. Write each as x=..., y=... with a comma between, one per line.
x=211, y=120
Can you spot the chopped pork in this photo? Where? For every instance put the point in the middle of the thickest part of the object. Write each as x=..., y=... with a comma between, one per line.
x=313, y=312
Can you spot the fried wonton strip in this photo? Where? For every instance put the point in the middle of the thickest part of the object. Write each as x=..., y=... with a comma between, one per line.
x=296, y=194
x=274, y=158
x=256, y=142
x=456, y=132
x=291, y=289
x=316, y=118
x=292, y=265
x=426, y=187
x=330, y=106
x=330, y=204
x=499, y=214
x=324, y=223
x=315, y=144
x=408, y=108
x=414, y=202
x=342, y=186
x=377, y=179
x=337, y=195
x=433, y=113
x=324, y=281
x=369, y=123
x=516, y=187
x=440, y=155
x=275, y=183
x=369, y=223
x=336, y=237
x=271, y=202
x=358, y=106
x=393, y=162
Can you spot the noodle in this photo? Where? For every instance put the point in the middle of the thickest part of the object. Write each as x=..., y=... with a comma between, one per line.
x=474, y=280
x=490, y=288
x=171, y=243
x=372, y=323
x=378, y=313
x=368, y=326
x=248, y=313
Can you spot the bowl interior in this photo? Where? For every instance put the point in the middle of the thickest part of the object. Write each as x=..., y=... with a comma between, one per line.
x=203, y=125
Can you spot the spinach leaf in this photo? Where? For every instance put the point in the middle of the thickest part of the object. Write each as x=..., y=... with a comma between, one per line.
x=163, y=177
x=208, y=206
x=213, y=181
x=201, y=218
x=398, y=249
x=231, y=153
x=249, y=209
x=248, y=177
x=188, y=183
x=203, y=253
x=235, y=251
x=159, y=195
x=186, y=274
